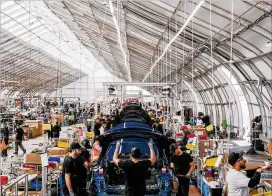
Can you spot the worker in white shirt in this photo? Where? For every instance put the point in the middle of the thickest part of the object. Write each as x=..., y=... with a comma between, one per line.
x=239, y=182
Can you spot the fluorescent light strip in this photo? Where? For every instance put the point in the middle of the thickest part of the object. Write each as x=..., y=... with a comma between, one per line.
x=119, y=38
x=172, y=40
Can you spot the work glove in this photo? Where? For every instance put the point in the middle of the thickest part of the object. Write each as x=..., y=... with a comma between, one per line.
x=150, y=143
x=118, y=143
x=71, y=193
x=188, y=176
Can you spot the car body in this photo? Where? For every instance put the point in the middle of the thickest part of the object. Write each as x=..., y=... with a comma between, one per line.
x=108, y=179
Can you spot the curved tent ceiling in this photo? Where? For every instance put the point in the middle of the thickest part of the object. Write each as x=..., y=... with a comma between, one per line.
x=146, y=27
x=219, y=80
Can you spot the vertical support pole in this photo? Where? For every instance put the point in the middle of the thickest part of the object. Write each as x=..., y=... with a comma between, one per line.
x=16, y=188
x=104, y=92
x=44, y=180
x=122, y=98
x=26, y=185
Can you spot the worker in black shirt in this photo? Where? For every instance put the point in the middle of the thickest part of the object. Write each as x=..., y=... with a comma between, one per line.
x=85, y=146
x=69, y=171
x=135, y=169
x=108, y=123
x=157, y=126
x=56, y=130
x=82, y=165
x=19, y=136
x=183, y=166
x=117, y=117
x=97, y=127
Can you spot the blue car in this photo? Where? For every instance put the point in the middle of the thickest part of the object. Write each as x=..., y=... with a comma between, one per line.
x=108, y=179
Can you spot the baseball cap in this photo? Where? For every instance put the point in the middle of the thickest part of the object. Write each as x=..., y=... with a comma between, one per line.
x=184, y=127
x=86, y=143
x=75, y=145
x=184, y=148
x=234, y=157
x=135, y=152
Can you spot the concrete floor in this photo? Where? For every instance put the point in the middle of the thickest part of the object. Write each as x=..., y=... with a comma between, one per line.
x=29, y=145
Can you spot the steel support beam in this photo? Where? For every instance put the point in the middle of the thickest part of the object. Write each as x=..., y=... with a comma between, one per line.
x=136, y=84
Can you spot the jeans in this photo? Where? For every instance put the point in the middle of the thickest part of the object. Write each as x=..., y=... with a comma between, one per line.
x=184, y=185
x=19, y=143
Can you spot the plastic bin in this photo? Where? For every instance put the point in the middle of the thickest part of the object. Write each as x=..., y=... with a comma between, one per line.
x=62, y=144
x=54, y=159
x=3, y=180
x=90, y=134
x=35, y=184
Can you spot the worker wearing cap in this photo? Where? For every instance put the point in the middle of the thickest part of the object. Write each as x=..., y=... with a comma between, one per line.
x=135, y=169
x=82, y=166
x=69, y=170
x=239, y=182
x=186, y=132
x=183, y=167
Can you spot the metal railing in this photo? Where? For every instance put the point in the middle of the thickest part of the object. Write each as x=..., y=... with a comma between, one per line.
x=15, y=183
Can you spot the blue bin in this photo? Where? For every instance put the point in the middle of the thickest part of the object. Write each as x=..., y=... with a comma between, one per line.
x=35, y=184
x=54, y=159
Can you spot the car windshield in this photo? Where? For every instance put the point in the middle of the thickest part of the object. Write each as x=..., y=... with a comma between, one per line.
x=127, y=144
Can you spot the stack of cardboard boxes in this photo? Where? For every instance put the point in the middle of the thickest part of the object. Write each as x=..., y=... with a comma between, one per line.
x=204, y=146
x=36, y=128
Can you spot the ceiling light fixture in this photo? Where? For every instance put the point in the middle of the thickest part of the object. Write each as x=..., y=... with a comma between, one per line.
x=119, y=38
x=172, y=40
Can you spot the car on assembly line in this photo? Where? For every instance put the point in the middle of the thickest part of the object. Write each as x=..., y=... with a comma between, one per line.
x=108, y=179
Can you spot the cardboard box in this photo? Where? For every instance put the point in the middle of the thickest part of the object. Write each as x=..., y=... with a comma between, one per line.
x=253, y=165
x=36, y=127
x=33, y=158
x=204, y=145
x=58, y=151
x=203, y=154
x=34, y=193
x=32, y=171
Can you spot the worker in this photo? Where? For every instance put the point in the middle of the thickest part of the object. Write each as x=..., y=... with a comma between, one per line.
x=5, y=135
x=238, y=181
x=117, y=117
x=186, y=132
x=108, y=122
x=135, y=169
x=157, y=126
x=96, y=150
x=183, y=167
x=56, y=130
x=85, y=146
x=82, y=166
x=19, y=136
x=70, y=174
x=97, y=127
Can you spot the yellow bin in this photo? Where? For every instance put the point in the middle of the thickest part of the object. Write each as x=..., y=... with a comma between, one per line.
x=90, y=134
x=263, y=194
x=62, y=144
x=190, y=146
x=211, y=162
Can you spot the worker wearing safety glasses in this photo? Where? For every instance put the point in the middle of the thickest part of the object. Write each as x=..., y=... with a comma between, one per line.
x=240, y=181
